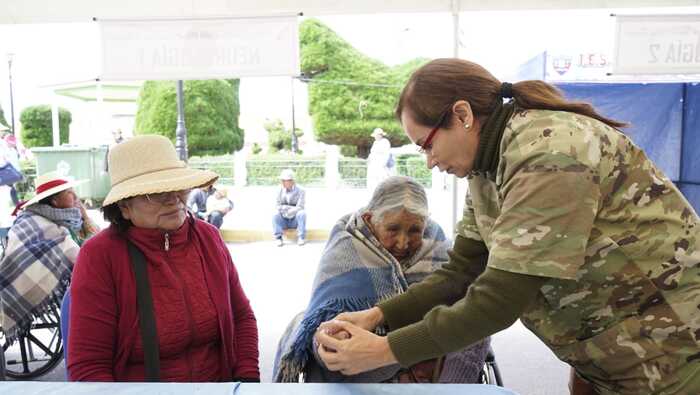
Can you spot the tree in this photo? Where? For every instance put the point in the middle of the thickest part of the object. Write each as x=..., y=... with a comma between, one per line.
x=278, y=136
x=350, y=94
x=2, y=119
x=37, y=130
x=212, y=109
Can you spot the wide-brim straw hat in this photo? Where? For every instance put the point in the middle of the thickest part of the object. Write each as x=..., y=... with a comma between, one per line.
x=149, y=164
x=378, y=132
x=49, y=184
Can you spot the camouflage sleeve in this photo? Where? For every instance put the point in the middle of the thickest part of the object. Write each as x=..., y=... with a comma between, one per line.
x=446, y=285
x=549, y=203
x=466, y=227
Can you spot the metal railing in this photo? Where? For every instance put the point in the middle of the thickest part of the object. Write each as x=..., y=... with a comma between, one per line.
x=264, y=172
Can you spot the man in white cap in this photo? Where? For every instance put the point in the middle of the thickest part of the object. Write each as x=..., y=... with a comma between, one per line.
x=290, y=209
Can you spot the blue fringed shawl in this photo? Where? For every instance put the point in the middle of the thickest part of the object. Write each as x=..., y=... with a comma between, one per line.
x=355, y=273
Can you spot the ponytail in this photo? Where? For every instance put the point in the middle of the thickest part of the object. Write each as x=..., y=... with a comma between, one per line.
x=438, y=84
x=539, y=95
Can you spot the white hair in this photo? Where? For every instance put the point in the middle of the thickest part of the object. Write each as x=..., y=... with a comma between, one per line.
x=398, y=193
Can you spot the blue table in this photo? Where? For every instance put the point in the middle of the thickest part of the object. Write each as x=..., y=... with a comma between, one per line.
x=63, y=388
x=370, y=389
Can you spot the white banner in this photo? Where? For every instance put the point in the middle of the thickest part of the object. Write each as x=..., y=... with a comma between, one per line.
x=185, y=49
x=657, y=44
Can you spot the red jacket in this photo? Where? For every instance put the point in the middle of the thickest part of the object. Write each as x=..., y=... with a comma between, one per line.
x=104, y=330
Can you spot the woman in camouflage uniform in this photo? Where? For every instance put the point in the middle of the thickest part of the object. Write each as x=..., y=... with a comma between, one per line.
x=576, y=231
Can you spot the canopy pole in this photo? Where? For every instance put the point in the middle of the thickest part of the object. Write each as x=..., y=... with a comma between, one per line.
x=455, y=53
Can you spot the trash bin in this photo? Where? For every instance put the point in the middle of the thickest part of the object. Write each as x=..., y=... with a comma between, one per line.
x=81, y=163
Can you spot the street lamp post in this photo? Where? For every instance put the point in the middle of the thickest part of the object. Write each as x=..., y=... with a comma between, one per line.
x=12, y=102
x=181, y=129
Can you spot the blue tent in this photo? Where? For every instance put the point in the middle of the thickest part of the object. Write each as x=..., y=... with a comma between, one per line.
x=665, y=122
x=664, y=119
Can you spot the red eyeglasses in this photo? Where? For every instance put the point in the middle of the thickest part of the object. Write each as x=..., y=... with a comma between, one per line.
x=428, y=143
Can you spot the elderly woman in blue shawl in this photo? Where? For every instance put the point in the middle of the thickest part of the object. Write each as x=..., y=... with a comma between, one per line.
x=370, y=256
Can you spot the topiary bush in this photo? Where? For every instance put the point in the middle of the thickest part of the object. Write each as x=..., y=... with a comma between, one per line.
x=279, y=137
x=212, y=109
x=37, y=126
x=350, y=93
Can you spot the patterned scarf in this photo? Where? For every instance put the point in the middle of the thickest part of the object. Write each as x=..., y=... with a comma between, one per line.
x=355, y=273
x=68, y=217
x=34, y=272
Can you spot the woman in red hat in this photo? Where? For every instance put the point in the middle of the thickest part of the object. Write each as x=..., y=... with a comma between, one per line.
x=42, y=246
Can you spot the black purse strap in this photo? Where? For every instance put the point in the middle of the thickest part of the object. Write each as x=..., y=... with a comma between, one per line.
x=147, y=319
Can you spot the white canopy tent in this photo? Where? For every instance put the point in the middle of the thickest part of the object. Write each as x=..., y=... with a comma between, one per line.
x=51, y=11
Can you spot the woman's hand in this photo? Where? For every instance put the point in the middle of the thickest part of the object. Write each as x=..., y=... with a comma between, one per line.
x=365, y=319
x=83, y=212
x=360, y=352
x=89, y=228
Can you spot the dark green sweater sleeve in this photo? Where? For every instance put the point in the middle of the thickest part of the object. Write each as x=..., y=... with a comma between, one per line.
x=495, y=300
x=444, y=286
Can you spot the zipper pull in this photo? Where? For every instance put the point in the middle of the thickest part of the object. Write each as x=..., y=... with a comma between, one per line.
x=167, y=242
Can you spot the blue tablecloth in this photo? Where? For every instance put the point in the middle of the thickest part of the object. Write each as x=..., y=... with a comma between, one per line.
x=62, y=388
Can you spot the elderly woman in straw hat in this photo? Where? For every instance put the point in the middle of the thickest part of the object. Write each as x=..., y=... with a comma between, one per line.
x=42, y=246
x=202, y=325
x=380, y=161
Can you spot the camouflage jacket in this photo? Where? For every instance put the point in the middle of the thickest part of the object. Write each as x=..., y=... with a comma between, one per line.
x=575, y=201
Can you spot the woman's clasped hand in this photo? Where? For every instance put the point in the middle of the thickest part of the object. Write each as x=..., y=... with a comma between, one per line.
x=350, y=349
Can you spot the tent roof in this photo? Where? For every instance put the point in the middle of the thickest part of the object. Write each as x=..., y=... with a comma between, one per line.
x=89, y=91
x=48, y=11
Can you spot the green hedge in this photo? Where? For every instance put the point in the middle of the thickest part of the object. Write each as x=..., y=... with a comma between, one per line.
x=413, y=165
x=221, y=165
x=309, y=171
x=353, y=172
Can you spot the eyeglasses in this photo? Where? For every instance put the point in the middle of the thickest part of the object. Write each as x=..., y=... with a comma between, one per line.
x=164, y=197
x=428, y=143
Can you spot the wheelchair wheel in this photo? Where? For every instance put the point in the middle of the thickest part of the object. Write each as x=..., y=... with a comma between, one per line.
x=491, y=374
x=37, y=351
